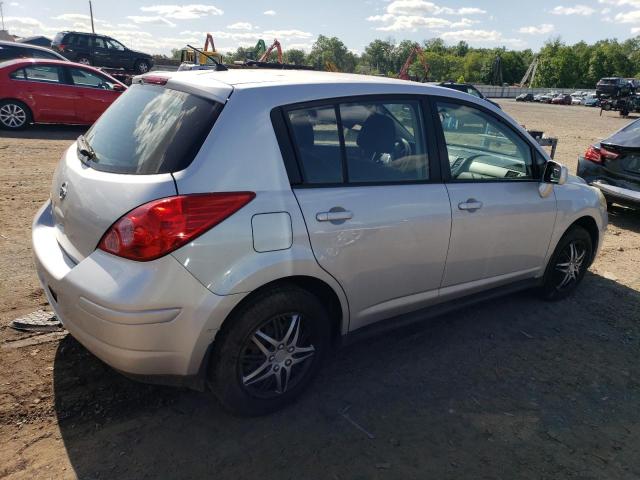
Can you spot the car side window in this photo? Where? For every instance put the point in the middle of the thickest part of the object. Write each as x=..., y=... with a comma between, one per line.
x=480, y=147
x=43, y=73
x=374, y=141
x=18, y=74
x=384, y=141
x=43, y=54
x=115, y=45
x=85, y=78
x=98, y=42
x=317, y=140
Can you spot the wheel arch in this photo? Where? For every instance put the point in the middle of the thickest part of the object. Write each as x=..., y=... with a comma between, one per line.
x=589, y=224
x=314, y=285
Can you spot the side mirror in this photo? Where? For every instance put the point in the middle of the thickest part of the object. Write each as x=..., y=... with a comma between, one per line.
x=555, y=173
x=118, y=88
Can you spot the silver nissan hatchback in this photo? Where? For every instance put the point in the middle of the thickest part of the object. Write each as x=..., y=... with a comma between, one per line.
x=226, y=229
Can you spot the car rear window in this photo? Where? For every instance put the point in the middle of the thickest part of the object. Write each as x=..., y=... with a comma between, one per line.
x=151, y=129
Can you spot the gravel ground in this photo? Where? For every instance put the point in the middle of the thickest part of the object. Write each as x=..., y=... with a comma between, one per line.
x=514, y=388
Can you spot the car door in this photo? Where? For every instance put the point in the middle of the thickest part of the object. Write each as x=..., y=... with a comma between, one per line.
x=52, y=98
x=101, y=53
x=95, y=93
x=119, y=56
x=377, y=213
x=501, y=225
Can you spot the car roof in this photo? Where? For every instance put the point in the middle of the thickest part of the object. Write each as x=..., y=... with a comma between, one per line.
x=24, y=45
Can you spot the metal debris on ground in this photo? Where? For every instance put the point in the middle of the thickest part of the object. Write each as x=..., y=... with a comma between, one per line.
x=39, y=321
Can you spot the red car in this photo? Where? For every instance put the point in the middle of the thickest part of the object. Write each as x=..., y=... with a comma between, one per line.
x=53, y=91
x=562, y=99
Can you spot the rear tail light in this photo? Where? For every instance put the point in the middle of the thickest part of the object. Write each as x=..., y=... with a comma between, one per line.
x=155, y=79
x=62, y=47
x=593, y=154
x=159, y=227
x=599, y=154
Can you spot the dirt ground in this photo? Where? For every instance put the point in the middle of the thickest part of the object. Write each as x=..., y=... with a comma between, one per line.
x=514, y=388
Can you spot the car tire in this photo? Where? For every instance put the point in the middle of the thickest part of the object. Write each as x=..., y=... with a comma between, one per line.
x=14, y=115
x=84, y=60
x=268, y=352
x=568, y=264
x=141, y=66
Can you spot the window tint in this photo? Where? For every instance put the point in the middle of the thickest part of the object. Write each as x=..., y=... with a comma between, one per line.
x=384, y=141
x=151, y=129
x=315, y=132
x=85, y=78
x=481, y=147
x=43, y=73
x=82, y=41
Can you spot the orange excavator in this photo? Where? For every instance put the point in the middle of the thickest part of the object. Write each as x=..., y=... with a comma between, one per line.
x=415, y=52
x=265, y=55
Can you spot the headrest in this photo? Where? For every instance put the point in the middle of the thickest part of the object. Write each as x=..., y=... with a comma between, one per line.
x=378, y=134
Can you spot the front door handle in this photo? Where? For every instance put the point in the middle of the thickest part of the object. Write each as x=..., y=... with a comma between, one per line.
x=471, y=205
x=334, y=216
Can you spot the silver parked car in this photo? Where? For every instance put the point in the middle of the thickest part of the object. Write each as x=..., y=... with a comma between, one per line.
x=227, y=228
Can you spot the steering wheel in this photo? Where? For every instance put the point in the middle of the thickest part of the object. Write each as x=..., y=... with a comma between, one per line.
x=401, y=148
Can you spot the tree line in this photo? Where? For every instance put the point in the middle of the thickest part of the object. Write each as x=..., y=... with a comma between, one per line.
x=559, y=65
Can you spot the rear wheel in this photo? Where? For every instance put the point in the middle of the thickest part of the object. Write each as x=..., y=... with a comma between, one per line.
x=83, y=60
x=568, y=264
x=14, y=115
x=270, y=351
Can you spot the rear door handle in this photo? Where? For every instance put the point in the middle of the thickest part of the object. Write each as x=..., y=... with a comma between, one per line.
x=471, y=205
x=339, y=216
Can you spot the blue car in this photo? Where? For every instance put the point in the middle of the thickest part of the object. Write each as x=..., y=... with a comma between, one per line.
x=591, y=101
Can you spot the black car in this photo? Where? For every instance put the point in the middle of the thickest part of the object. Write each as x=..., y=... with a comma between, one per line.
x=100, y=51
x=613, y=166
x=525, y=97
x=467, y=88
x=13, y=50
x=614, y=87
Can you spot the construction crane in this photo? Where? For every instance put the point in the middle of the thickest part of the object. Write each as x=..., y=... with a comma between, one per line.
x=259, y=49
x=194, y=56
x=329, y=66
x=415, y=52
x=530, y=74
x=265, y=55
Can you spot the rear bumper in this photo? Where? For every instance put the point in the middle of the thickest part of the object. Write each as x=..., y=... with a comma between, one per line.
x=614, y=189
x=142, y=318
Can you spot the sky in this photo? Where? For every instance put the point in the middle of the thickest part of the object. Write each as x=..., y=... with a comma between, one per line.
x=157, y=27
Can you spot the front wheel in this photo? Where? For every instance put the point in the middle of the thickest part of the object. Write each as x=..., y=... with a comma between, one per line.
x=141, y=66
x=269, y=351
x=568, y=264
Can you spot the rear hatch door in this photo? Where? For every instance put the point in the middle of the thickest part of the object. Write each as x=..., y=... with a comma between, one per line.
x=125, y=160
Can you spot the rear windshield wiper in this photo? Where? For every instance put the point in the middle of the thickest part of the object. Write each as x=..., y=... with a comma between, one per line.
x=85, y=149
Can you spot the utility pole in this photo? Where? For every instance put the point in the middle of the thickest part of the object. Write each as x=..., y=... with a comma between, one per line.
x=2, y=15
x=91, y=12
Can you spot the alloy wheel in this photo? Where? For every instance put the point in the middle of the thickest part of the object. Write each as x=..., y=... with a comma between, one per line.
x=569, y=264
x=276, y=356
x=12, y=115
x=84, y=61
x=143, y=67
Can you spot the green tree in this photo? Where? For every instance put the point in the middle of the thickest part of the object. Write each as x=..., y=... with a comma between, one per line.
x=331, y=50
x=295, y=56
